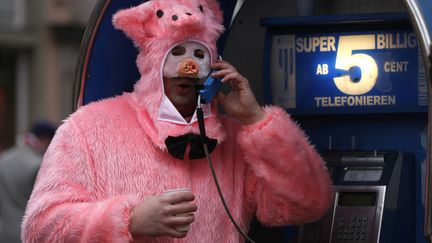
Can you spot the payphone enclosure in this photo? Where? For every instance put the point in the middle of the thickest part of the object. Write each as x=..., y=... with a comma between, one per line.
x=355, y=83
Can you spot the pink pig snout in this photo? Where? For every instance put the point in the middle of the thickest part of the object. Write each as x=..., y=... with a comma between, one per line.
x=188, y=68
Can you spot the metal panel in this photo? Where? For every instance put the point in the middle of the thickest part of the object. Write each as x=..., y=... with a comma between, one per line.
x=367, y=218
x=421, y=17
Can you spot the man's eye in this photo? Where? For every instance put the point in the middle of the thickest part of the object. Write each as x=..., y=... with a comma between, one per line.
x=178, y=51
x=199, y=53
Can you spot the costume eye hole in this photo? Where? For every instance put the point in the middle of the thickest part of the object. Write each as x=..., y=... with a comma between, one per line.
x=178, y=51
x=159, y=13
x=199, y=53
x=201, y=8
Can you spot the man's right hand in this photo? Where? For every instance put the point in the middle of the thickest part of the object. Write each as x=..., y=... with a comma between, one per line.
x=156, y=216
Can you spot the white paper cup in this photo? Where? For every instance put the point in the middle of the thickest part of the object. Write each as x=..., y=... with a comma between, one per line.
x=173, y=191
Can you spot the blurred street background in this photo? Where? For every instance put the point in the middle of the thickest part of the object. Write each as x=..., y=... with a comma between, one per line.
x=39, y=45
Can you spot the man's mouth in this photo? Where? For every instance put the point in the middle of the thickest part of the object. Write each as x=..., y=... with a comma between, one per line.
x=185, y=82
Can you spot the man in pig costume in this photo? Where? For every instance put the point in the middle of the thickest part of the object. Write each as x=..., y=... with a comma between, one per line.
x=104, y=174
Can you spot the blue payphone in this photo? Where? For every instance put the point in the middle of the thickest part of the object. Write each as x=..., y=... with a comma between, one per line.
x=357, y=86
x=374, y=200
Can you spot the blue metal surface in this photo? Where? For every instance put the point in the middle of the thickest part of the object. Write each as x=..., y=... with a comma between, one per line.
x=426, y=9
x=111, y=66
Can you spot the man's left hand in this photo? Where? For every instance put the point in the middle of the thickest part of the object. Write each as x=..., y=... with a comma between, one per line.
x=240, y=102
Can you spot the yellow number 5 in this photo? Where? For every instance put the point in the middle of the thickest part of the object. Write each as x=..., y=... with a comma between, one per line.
x=345, y=61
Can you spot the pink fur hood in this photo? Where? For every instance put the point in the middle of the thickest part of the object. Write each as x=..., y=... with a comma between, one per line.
x=154, y=31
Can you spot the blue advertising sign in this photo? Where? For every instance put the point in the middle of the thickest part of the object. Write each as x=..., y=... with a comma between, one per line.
x=372, y=71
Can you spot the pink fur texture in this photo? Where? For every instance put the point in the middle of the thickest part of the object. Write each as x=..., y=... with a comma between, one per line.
x=155, y=36
x=110, y=155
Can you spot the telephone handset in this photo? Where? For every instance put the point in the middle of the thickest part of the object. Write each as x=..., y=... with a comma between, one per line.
x=210, y=88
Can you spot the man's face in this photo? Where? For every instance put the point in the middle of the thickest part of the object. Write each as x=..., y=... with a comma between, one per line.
x=181, y=92
x=186, y=65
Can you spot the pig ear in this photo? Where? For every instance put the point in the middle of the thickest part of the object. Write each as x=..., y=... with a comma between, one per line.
x=131, y=22
x=214, y=7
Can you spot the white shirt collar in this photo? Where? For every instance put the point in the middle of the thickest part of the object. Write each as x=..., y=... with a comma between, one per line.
x=169, y=113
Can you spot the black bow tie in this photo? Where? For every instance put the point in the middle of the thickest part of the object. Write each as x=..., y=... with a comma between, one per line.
x=177, y=146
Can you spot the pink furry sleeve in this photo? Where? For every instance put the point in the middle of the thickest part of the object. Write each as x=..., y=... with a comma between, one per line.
x=290, y=183
x=62, y=208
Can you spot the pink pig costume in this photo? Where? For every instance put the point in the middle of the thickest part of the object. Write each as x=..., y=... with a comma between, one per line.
x=110, y=155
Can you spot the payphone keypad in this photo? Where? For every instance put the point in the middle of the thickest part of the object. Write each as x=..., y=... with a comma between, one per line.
x=352, y=229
